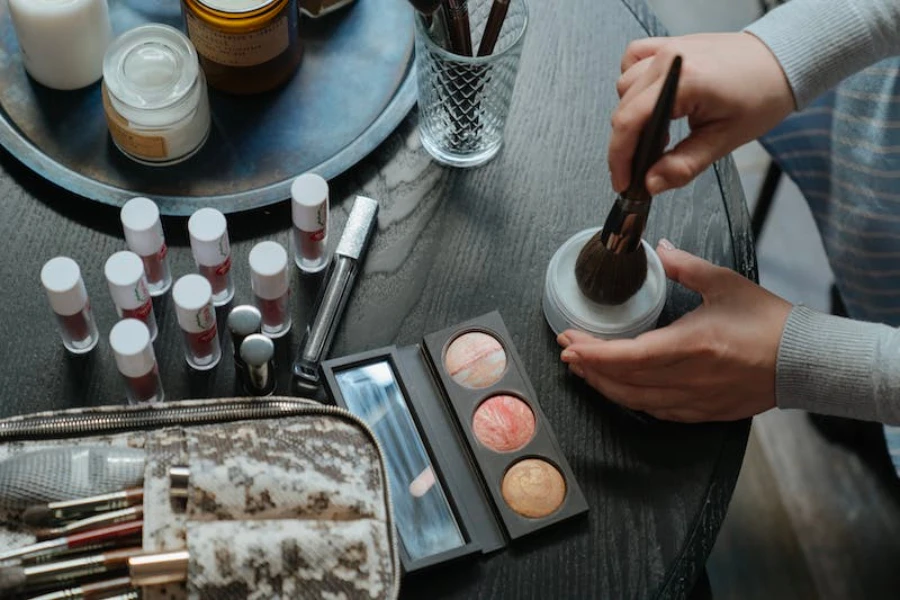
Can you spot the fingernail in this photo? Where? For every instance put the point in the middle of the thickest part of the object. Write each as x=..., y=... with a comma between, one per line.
x=577, y=370
x=655, y=184
x=666, y=244
x=563, y=340
x=569, y=355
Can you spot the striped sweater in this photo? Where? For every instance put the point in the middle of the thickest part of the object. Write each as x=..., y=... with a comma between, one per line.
x=843, y=151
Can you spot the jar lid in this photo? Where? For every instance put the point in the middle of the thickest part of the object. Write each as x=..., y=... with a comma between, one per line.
x=309, y=202
x=236, y=6
x=208, y=230
x=269, y=270
x=131, y=346
x=151, y=66
x=61, y=278
x=125, y=277
x=192, y=295
x=142, y=226
x=565, y=307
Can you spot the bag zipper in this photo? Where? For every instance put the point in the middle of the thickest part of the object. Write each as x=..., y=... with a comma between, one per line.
x=102, y=420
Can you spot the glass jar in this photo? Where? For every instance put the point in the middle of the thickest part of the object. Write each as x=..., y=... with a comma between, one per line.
x=245, y=46
x=154, y=95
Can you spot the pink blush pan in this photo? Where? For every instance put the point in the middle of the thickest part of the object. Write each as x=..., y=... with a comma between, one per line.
x=503, y=423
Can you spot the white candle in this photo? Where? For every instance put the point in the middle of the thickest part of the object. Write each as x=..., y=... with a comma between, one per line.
x=62, y=41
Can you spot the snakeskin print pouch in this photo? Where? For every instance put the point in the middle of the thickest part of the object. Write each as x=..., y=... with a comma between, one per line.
x=286, y=498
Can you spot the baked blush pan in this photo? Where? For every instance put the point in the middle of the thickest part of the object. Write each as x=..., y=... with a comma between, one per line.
x=497, y=410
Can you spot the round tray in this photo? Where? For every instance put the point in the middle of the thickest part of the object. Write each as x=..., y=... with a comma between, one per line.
x=354, y=87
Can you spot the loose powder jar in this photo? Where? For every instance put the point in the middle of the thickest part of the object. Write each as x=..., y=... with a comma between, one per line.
x=245, y=46
x=154, y=95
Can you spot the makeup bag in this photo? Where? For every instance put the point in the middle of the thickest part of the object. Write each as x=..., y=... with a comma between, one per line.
x=287, y=498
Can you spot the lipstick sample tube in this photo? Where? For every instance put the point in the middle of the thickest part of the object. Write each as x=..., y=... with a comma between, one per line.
x=68, y=297
x=309, y=213
x=197, y=318
x=94, y=591
x=128, y=288
x=144, y=236
x=270, y=280
x=136, y=361
x=333, y=298
x=208, y=230
x=243, y=320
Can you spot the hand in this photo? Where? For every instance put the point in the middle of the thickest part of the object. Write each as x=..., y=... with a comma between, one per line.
x=716, y=363
x=732, y=90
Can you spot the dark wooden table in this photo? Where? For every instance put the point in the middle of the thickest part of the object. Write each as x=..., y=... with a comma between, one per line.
x=452, y=245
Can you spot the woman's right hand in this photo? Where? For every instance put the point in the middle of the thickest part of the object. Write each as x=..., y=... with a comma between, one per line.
x=732, y=90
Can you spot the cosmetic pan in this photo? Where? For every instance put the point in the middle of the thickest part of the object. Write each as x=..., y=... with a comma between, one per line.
x=490, y=445
x=565, y=307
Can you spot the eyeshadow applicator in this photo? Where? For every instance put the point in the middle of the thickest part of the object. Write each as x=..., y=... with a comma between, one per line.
x=612, y=265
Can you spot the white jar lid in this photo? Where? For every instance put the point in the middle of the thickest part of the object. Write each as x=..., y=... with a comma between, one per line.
x=209, y=237
x=62, y=280
x=309, y=202
x=192, y=295
x=269, y=275
x=126, y=280
x=565, y=307
x=130, y=342
x=142, y=226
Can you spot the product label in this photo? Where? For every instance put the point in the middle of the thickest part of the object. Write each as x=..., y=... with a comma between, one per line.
x=224, y=267
x=239, y=49
x=203, y=323
x=148, y=147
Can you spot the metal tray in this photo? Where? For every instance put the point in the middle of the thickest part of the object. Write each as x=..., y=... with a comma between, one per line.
x=355, y=85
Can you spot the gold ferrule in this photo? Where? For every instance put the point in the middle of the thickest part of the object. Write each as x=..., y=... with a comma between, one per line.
x=158, y=569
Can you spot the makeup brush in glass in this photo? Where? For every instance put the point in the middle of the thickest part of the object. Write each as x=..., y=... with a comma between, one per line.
x=435, y=20
x=612, y=266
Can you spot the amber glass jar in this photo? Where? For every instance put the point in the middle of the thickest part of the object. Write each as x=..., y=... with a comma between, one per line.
x=245, y=46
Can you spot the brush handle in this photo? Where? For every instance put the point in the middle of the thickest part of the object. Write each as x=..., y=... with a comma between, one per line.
x=652, y=140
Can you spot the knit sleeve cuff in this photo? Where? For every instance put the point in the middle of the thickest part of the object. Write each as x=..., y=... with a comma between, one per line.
x=826, y=365
x=821, y=42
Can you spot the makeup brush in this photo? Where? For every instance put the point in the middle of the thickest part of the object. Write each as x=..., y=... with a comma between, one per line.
x=433, y=15
x=75, y=541
x=458, y=26
x=124, y=515
x=18, y=578
x=493, y=27
x=612, y=265
x=42, y=514
x=91, y=591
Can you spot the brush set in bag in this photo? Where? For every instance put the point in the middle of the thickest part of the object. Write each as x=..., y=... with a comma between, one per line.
x=274, y=498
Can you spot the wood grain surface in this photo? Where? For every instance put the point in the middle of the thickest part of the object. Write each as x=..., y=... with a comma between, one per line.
x=451, y=245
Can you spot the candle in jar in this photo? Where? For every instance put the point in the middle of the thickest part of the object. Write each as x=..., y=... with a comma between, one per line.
x=62, y=41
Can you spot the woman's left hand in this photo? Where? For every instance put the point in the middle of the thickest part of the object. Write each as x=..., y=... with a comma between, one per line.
x=716, y=363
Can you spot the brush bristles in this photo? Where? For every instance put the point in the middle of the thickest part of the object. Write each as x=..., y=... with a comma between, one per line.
x=11, y=579
x=36, y=515
x=606, y=277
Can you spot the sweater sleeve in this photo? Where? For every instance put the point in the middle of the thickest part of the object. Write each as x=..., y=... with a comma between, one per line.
x=837, y=366
x=821, y=42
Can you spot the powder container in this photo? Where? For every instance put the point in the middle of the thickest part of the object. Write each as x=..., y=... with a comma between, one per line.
x=197, y=318
x=245, y=46
x=61, y=278
x=154, y=95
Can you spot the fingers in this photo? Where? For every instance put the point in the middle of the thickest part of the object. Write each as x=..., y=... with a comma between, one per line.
x=641, y=49
x=687, y=160
x=628, y=79
x=627, y=122
x=690, y=271
x=652, y=350
x=636, y=398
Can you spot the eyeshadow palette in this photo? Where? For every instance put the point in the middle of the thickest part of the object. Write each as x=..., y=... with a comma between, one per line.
x=471, y=457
